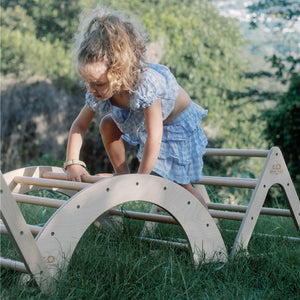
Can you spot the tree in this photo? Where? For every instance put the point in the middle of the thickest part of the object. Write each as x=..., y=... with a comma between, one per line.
x=201, y=47
x=283, y=120
x=283, y=125
x=53, y=19
x=282, y=10
x=25, y=54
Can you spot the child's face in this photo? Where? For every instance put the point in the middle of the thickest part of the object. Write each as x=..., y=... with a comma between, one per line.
x=95, y=77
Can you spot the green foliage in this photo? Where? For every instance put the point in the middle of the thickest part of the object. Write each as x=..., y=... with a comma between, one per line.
x=281, y=9
x=283, y=125
x=26, y=54
x=17, y=19
x=35, y=117
x=46, y=160
x=283, y=120
x=200, y=46
x=38, y=58
x=53, y=19
x=203, y=49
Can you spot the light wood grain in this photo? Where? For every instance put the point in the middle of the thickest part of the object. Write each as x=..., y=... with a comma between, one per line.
x=23, y=239
x=274, y=172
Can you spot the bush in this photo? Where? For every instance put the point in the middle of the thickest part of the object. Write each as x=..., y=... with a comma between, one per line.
x=283, y=125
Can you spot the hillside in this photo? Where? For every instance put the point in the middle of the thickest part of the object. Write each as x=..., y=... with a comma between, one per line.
x=271, y=37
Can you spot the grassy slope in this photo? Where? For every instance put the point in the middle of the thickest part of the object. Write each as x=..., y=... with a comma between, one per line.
x=116, y=265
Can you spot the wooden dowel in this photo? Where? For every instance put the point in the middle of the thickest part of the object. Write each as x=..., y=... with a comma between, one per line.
x=84, y=178
x=12, y=264
x=229, y=207
x=43, y=201
x=249, y=183
x=243, y=208
x=170, y=243
x=169, y=219
x=143, y=216
x=33, y=228
x=236, y=152
x=275, y=212
x=209, y=180
x=219, y=214
x=284, y=237
x=56, y=203
x=70, y=185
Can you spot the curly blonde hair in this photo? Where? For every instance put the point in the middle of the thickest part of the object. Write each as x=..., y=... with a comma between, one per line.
x=113, y=40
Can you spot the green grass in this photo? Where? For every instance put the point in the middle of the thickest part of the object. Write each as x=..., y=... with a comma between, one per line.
x=117, y=265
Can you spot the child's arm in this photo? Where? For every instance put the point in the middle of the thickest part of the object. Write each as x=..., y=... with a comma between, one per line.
x=154, y=128
x=76, y=134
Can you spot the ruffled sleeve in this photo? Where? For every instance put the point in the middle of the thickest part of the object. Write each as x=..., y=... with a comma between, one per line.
x=101, y=107
x=150, y=89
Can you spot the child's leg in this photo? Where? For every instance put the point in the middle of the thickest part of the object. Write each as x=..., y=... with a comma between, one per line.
x=113, y=143
x=191, y=189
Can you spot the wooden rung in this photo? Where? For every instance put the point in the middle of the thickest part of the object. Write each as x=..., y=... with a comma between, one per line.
x=43, y=201
x=229, y=181
x=84, y=178
x=56, y=203
x=208, y=180
x=219, y=214
x=12, y=264
x=70, y=185
x=33, y=228
x=243, y=208
x=143, y=216
x=170, y=243
x=236, y=152
x=169, y=219
x=283, y=237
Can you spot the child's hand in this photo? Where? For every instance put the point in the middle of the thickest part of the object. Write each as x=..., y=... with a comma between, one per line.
x=74, y=172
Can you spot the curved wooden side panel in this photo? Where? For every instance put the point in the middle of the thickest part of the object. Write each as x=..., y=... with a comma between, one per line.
x=60, y=235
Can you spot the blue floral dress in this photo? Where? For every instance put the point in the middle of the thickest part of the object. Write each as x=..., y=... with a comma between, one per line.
x=183, y=142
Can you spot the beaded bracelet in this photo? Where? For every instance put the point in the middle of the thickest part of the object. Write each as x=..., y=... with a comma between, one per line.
x=74, y=162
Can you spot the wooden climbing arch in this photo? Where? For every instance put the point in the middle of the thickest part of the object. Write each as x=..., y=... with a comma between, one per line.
x=62, y=232
x=55, y=242
x=57, y=239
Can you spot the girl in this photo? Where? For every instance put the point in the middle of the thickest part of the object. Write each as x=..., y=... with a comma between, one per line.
x=142, y=104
